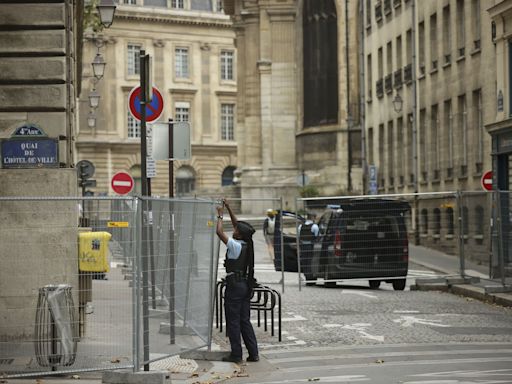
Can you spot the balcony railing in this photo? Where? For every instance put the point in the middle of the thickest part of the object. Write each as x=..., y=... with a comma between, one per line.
x=380, y=87
x=397, y=3
x=388, y=83
x=408, y=73
x=387, y=7
x=378, y=11
x=398, y=78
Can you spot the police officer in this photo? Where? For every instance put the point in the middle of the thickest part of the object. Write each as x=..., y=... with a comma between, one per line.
x=239, y=265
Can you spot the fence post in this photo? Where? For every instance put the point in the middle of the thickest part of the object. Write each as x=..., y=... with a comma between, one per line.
x=281, y=244
x=499, y=220
x=297, y=241
x=214, y=269
x=460, y=208
x=136, y=252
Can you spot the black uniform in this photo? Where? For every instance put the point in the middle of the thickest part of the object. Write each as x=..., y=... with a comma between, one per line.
x=237, y=302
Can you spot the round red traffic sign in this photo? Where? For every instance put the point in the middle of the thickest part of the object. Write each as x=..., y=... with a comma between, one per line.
x=487, y=181
x=122, y=183
x=153, y=109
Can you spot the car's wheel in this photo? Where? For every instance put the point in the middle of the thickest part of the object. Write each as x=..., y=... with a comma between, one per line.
x=374, y=284
x=399, y=285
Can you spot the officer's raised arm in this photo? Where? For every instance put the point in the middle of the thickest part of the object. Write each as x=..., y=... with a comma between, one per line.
x=234, y=221
x=220, y=230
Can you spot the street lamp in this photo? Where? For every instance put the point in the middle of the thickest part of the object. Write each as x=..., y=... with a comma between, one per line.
x=397, y=103
x=106, y=10
x=91, y=119
x=98, y=66
x=94, y=99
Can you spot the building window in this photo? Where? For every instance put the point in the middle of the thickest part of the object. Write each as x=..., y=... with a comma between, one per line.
x=433, y=40
x=181, y=63
x=424, y=221
x=182, y=111
x=423, y=144
x=178, y=4
x=218, y=6
x=133, y=126
x=421, y=49
x=399, y=52
x=450, y=221
x=400, y=148
x=391, y=154
x=133, y=59
x=226, y=65
x=389, y=57
x=227, y=122
x=446, y=35
x=476, y=23
x=368, y=13
x=227, y=176
x=355, y=145
x=478, y=130
x=410, y=151
x=369, y=76
x=463, y=135
x=320, y=37
x=460, y=27
x=448, y=137
x=382, y=154
x=370, y=146
x=479, y=220
x=437, y=221
x=131, y=2
x=185, y=180
x=434, y=141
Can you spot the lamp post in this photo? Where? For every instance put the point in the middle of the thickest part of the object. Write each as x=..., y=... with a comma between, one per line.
x=106, y=10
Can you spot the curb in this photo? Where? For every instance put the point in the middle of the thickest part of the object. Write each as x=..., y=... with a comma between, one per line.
x=467, y=290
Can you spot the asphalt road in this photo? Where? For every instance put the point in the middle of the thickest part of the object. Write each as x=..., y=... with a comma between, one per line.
x=354, y=334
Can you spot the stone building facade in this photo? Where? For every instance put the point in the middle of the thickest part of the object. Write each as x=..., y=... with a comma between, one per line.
x=438, y=57
x=194, y=67
x=297, y=112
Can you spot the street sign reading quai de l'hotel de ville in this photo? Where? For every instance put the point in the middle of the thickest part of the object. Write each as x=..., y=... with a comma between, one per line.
x=30, y=147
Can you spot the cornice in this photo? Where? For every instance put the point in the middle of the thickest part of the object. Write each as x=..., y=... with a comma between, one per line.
x=498, y=126
x=166, y=16
x=502, y=7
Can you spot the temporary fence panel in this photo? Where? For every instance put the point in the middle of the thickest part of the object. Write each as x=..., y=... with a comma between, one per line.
x=87, y=327
x=180, y=278
x=501, y=258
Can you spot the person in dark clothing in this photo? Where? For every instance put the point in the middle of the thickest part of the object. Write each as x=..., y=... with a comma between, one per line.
x=239, y=265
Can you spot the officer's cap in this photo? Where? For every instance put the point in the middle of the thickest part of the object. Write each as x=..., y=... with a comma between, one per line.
x=245, y=229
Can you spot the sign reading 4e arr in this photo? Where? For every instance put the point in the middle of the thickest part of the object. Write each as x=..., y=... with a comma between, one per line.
x=30, y=147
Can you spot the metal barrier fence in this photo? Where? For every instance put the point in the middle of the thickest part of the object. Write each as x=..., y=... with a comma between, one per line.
x=124, y=303
x=377, y=238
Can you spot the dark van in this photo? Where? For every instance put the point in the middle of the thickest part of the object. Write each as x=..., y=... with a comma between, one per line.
x=362, y=238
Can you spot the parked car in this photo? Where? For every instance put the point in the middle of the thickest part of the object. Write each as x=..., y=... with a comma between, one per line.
x=359, y=238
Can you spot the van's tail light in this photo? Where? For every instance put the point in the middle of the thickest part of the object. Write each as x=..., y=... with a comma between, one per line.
x=405, y=251
x=337, y=244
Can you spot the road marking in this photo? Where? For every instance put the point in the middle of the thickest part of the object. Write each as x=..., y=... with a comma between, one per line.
x=323, y=379
x=406, y=311
x=364, y=294
x=469, y=373
x=269, y=345
x=359, y=328
x=409, y=321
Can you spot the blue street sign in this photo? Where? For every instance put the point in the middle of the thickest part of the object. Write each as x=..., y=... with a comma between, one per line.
x=30, y=153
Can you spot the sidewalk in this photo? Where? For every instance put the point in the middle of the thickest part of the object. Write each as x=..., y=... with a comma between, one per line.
x=475, y=283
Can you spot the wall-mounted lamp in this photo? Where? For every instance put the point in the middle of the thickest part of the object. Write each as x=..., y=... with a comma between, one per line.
x=94, y=99
x=106, y=10
x=398, y=103
x=91, y=119
x=98, y=66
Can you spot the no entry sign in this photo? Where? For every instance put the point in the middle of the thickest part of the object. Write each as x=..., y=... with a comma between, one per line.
x=122, y=183
x=487, y=181
x=153, y=109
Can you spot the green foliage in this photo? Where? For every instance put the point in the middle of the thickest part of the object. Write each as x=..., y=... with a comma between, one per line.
x=91, y=18
x=309, y=191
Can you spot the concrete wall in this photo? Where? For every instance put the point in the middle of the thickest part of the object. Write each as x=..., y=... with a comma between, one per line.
x=38, y=244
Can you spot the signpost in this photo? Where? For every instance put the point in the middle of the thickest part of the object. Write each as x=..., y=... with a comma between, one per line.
x=122, y=183
x=486, y=181
x=154, y=108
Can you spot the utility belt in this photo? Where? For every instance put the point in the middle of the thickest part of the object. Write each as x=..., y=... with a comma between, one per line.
x=236, y=276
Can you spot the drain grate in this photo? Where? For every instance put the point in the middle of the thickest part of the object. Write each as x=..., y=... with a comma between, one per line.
x=6, y=361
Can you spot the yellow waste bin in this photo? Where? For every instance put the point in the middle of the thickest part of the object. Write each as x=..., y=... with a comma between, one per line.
x=93, y=251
